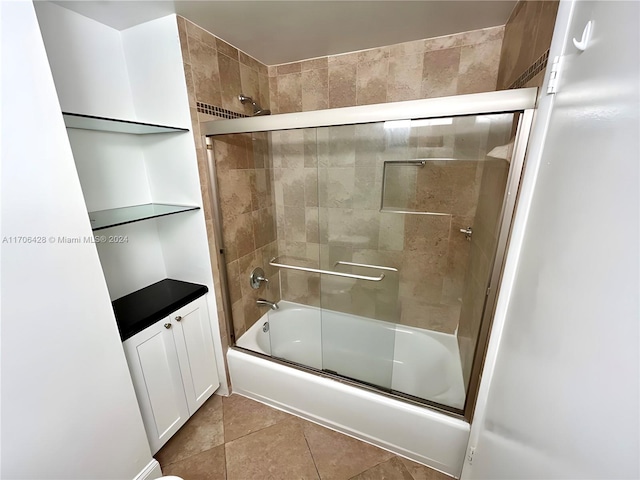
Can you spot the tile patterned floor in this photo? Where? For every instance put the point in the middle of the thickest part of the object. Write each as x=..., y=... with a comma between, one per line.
x=235, y=438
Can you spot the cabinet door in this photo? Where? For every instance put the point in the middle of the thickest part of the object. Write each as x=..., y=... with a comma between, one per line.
x=153, y=362
x=194, y=343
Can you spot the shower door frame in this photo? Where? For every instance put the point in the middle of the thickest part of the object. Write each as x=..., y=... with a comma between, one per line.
x=522, y=101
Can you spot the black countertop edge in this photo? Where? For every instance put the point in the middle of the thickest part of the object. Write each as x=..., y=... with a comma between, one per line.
x=138, y=310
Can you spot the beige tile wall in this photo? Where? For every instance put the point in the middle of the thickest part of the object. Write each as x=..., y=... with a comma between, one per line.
x=216, y=73
x=342, y=221
x=328, y=185
x=245, y=177
x=321, y=225
x=527, y=36
x=455, y=64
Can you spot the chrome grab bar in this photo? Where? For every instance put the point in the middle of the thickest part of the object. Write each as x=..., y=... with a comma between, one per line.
x=274, y=263
x=364, y=265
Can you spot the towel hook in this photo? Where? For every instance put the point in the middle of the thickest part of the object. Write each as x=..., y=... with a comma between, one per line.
x=586, y=36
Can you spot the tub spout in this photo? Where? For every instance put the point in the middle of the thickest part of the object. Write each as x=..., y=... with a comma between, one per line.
x=272, y=305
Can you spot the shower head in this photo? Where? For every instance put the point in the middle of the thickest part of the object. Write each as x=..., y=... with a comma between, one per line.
x=257, y=110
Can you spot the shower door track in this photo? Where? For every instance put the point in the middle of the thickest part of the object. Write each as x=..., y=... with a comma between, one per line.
x=521, y=101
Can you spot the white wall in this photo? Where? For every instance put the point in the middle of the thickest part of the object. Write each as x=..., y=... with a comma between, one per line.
x=68, y=406
x=560, y=396
x=156, y=74
x=111, y=167
x=136, y=262
x=87, y=61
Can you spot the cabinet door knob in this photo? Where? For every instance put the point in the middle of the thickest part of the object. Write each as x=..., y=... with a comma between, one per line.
x=178, y=318
x=167, y=325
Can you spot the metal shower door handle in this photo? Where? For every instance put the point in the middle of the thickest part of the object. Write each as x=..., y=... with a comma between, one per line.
x=467, y=232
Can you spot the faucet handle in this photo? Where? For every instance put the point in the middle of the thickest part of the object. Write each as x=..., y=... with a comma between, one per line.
x=257, y=277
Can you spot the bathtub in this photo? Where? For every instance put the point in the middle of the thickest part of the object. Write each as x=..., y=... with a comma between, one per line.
x=410, y=360
x=418, y=362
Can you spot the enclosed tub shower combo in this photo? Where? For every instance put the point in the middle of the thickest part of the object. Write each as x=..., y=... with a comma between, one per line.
x=360, y=252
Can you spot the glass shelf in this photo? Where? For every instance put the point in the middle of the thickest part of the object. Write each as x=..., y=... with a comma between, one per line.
x=88, y=122
x=119, y=216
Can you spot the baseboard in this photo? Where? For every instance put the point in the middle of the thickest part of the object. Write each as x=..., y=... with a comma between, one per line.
x=150, y=472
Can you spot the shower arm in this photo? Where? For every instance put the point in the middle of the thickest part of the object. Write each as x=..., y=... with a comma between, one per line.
x=275, y=263
x=257, y=109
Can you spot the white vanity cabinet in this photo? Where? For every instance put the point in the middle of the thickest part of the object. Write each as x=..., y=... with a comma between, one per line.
x=173, y=369
x=194, y=343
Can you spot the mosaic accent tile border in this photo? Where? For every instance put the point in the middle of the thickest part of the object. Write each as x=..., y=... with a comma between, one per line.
x=538, y=66
x=218, y=111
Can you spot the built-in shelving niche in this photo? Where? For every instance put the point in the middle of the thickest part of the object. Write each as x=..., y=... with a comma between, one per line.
x=130, y=134
x=113, y=217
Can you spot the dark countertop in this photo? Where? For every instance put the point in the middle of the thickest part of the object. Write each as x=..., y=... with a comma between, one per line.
x=144, y=307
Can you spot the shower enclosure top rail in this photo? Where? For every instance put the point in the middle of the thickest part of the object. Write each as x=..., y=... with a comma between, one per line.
x=274, y=263
x=472, y=104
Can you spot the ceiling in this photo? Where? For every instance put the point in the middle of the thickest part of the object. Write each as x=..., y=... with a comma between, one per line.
x=285, y=31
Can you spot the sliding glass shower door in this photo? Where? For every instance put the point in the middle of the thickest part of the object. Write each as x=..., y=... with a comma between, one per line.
x=378, y=240
x=411, y=208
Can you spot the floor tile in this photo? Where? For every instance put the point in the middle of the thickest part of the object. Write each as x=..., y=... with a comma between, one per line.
x=243, y=416
x=209, y=465
x=203, y=431
x=339, y=457
x=420, y=472
x=392, y=469
x=278, y=452
x=263, y=443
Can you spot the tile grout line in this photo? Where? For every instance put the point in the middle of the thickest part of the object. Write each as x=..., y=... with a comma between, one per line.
x=405, y=467
x=385, y=461
x=260, y=429
x=373, y=466
x=193, y=455
x=311, y=453
x=224, y=440
x=224, y=448
x=198, y=453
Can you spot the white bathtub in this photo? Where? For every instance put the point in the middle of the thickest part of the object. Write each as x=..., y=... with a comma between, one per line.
x=414, y=361
x=418, y=362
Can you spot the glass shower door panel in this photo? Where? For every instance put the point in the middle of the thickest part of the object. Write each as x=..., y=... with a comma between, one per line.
x=294, y=328
x=244, y=208
x=446, y=193
x=360, y=303
x=395, y=200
